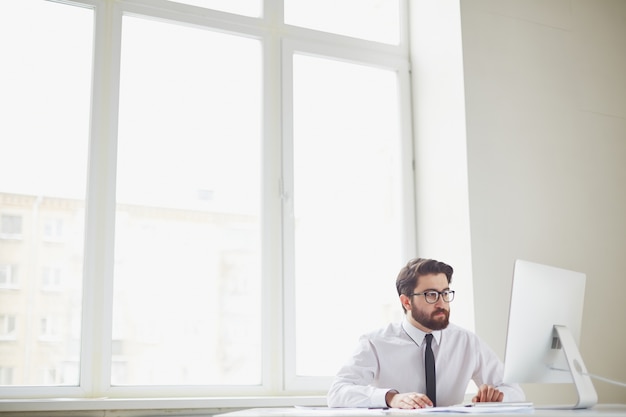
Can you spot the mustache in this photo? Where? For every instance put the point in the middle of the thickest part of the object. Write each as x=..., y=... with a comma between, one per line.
x=441, y=310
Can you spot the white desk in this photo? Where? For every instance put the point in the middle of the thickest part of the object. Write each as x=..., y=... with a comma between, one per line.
x=605, y=410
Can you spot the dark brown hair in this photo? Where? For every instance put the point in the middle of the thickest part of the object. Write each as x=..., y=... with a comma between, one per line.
x=408, y=276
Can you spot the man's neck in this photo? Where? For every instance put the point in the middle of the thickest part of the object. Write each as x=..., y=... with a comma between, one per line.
x=417, y=324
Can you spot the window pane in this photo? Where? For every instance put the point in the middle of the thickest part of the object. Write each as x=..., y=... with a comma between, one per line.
x=45, y=82
x=373, y=20
x=347, y=206
x=187, y=289
x=250, y=8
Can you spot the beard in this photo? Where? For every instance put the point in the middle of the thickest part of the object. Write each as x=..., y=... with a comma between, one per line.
x=428, y=320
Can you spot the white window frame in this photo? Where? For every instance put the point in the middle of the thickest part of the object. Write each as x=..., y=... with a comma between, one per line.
x=279, y=41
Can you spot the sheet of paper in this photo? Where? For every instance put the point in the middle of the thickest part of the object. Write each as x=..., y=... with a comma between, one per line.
x=461, y=409
x=320, y=411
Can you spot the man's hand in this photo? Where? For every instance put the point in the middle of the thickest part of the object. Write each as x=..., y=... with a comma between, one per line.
x=488, y=393
x=407, y=400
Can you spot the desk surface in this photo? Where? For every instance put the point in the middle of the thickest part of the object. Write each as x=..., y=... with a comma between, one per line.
x=606, y=410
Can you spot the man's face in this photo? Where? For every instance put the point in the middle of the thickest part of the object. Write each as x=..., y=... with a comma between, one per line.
x=425, y=316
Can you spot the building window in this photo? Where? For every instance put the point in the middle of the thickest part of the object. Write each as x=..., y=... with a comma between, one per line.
x=53, y=230
x=9, y=278
x=7, y=327
x=10, y=226
x=50, y=328
x=52, y=278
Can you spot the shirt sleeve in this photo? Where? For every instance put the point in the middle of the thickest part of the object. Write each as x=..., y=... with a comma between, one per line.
x=352, y=386
x=491, y=371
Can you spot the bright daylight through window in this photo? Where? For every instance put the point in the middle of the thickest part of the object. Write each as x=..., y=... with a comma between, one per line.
x=193, y=206
x=45, y=79
x=189, y=193
x=347, y=177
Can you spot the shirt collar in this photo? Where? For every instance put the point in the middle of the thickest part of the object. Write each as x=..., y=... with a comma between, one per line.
x=418, y=335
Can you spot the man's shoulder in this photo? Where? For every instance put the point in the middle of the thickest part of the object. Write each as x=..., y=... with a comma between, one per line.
x=461, y=333
x=389, y=330
x=455, y=328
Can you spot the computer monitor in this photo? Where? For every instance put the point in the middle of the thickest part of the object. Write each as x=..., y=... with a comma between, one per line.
x=543, y=333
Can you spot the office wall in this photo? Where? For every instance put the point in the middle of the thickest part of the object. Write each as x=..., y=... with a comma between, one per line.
x=545, y=98
x=440, y=152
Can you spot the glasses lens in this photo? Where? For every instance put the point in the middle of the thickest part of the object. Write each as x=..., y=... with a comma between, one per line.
x=431, y=296
x=448, y=296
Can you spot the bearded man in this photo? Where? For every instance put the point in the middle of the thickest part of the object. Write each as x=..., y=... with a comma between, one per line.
x=424, y=360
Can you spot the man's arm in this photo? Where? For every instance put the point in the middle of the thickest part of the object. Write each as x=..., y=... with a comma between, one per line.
x=489, y=378
x=352, y=387
x=407, y=400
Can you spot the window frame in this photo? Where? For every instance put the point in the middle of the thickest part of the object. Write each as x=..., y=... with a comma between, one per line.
x=290, y=48
x=279, y=43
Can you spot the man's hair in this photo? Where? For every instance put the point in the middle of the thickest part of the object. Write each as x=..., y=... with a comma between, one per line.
x=408, y=276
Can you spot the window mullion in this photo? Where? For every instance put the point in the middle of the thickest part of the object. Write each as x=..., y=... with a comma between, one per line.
x=288, y=225
x=273, y=311
x=100, y=216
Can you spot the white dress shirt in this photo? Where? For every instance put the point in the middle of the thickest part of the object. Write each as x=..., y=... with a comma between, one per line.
x=392, y=358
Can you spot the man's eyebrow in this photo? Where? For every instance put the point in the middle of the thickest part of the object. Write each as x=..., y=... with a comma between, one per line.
x=434, y=289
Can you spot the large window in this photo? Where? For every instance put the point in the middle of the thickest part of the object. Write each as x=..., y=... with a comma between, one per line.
x=189, y=198
x=347, y=205
x=196, y=194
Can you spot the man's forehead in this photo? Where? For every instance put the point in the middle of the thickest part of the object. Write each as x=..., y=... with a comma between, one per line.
x=434, y=281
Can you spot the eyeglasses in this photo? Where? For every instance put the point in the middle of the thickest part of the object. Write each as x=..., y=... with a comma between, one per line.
x=432, y=296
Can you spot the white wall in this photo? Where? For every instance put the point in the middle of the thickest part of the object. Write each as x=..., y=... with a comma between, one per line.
x=524, y=128
x=545, y=89
x=441, y=158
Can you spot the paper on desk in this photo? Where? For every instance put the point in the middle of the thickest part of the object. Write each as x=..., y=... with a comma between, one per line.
x=460, y=409
x=338, y=412
x=363, y=412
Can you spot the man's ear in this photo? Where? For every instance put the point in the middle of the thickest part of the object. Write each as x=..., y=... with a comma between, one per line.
x=406, y=302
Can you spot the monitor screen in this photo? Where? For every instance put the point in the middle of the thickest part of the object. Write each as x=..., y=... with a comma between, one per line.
x=543, y=335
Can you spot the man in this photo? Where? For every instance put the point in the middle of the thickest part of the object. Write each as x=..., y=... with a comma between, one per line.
x=388, y=368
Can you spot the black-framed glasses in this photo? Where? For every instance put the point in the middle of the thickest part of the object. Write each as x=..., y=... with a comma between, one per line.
x=432, y=296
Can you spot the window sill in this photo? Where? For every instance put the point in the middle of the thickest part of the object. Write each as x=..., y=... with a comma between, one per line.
x=150, y=406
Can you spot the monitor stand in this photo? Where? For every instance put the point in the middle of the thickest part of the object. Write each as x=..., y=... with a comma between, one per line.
x=587, y=396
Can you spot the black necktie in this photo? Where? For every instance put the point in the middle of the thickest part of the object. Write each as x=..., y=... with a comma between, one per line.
x=429, y=363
